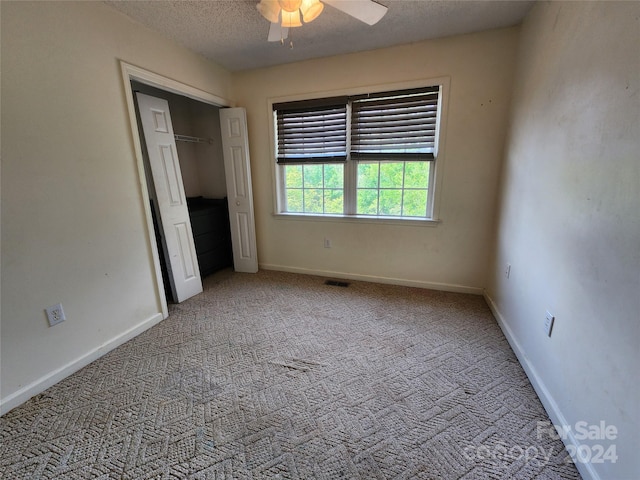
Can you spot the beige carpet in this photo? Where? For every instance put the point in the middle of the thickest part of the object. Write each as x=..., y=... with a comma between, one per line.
x=277, y=375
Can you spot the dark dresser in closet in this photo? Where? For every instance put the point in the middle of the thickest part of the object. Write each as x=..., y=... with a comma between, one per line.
x=211, y=233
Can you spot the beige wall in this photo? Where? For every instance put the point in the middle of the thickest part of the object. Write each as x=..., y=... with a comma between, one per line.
x=209, y=156
x=73, y=225
x=452, y=254
x=569, y=218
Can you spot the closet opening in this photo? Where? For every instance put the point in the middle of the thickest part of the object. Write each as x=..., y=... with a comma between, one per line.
x=198, y=143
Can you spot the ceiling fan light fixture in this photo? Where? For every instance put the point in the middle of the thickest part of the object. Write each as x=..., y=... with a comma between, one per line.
x=311, y=9
x=269, y=9
x=291, y=19
x=290, y=6
x=285, y=14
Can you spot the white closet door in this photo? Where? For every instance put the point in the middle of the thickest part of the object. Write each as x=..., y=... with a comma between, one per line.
x=233, y=125
x=177, y=238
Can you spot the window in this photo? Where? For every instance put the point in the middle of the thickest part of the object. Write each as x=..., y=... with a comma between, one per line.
x=393, y=189
x=315, y=188
x=367, y=155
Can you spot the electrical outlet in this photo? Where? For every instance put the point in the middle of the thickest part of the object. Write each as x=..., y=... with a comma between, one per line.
x=548, y=323
x=507, y=270
x=55, y=315
x=327, y=243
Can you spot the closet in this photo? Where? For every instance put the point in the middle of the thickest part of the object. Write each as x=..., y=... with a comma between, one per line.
x=198, y=142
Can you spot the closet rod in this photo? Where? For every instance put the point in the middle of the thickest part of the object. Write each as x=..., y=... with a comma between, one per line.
x=188, y=138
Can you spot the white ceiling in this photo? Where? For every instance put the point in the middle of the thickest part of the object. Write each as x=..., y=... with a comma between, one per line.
x=232, y=33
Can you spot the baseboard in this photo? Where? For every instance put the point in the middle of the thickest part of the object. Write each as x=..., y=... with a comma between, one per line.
x=446, y=287
x=553, y=410
x=17, y=398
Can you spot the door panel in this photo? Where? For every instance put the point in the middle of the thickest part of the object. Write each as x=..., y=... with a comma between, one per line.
x=188, y=261
x=172, y=175
x=239, y=175
x=233, y=122
x=243, y=233
x=177, y=238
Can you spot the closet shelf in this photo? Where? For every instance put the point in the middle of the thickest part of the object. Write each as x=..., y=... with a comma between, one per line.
x=189, y=138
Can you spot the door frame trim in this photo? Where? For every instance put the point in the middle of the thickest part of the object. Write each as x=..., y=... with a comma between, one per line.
x=131, y=72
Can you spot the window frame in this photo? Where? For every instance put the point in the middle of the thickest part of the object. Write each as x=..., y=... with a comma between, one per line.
x=351, y=165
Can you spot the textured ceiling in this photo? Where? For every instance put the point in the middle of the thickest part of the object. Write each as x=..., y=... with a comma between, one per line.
x=234, y=34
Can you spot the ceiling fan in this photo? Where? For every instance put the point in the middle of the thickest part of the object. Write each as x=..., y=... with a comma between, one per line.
x=285, y=14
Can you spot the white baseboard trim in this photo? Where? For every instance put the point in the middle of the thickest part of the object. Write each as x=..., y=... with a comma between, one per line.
x=553, y=410
x=446, y=287
x=40, y=385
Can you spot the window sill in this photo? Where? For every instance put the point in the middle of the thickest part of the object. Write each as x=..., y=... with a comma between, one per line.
x=412, y=222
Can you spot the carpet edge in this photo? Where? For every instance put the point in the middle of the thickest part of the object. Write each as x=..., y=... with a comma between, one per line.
x=445, y=287
x=548, y=402
x=19, y=397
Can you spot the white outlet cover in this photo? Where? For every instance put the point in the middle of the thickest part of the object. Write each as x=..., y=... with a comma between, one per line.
x=55, y=314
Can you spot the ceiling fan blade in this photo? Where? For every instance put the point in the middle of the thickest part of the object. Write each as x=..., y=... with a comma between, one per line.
x=277, y=33
x=366, y=11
